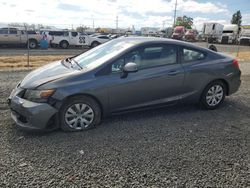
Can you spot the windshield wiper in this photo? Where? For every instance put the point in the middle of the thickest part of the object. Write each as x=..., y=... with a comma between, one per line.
x=70, y=59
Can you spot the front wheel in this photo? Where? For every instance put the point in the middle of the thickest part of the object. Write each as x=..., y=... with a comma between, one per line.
x=213, y=95
x=64, y=44
x=79, y=113
x=94, y=44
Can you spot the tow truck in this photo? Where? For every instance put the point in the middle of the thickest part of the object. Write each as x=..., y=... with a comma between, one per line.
x=72, y=38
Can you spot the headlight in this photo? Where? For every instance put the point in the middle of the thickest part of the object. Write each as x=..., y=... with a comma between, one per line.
x=38, y=95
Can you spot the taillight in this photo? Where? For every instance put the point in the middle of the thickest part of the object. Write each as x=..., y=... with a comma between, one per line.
x=236, y=64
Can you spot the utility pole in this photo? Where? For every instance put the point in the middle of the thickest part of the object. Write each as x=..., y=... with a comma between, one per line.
x=116, y=21
x=28, y=45
x=93, y=22
x=175, y=11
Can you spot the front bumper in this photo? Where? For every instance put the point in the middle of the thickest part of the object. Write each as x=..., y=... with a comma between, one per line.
x=177, y=37
x=31, y=115
x=190, y=37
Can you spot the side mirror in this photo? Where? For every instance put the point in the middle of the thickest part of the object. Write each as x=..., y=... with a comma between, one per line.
x=130, y=67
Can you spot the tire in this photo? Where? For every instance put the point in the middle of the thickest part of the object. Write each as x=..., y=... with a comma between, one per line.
x=73, y=121
x=213, y=95
x=33, y=44
x=94, y=44
x=212, y=47
x=64, y=44
x=210, y=40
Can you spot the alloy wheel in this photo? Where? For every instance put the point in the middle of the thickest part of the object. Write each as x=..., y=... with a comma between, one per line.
x=79, y=116
x=214, y=95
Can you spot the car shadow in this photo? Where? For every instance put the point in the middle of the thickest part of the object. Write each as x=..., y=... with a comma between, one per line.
x=140, y=118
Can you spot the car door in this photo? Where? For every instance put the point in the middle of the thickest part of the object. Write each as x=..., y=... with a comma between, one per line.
x=197, y=71
x=159, y=78
x=74, y=39
x=14, y=36
x=4, y=34
x=83, y=39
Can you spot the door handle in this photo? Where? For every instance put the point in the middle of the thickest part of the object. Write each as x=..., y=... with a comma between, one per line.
x=173, y=72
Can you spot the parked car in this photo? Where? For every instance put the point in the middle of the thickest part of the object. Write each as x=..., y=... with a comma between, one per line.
x=100, y=39
x=14, y=36
x=124, y=74
x=179, y=33
x=114, y=36
x=191, y=35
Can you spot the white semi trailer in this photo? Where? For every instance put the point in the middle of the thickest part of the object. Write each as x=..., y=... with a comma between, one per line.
x=212, y=31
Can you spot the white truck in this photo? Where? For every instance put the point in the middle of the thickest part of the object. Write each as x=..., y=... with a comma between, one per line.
x=229, y=34
x=212, y=31
x=244, y=37
x=14, y=36
x=71, y=38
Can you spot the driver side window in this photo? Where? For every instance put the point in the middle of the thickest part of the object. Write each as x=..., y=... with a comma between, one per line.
x=133, y=56
x=117, y=65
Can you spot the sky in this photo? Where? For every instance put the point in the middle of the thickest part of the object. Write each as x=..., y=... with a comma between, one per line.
x=140, y=13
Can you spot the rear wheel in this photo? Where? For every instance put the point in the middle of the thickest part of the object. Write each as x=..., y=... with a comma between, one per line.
x=213, y=95
x=33, y=44
x=79, y=113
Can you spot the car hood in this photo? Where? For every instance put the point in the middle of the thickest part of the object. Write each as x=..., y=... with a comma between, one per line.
x=189, y=34
x=47, y=73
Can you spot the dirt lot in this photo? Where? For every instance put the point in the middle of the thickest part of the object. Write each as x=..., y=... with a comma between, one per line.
x=181, y=146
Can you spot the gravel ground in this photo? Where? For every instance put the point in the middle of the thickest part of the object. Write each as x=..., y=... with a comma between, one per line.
x=180, y=146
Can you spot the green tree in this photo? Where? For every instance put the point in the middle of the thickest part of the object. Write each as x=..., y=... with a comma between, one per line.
x=81, y=28
x=185, y=21
x=236, y=18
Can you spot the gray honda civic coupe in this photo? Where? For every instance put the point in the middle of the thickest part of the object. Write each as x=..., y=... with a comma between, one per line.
x=128, y=73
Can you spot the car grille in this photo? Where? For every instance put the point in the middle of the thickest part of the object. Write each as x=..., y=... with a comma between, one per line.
x=224, y=39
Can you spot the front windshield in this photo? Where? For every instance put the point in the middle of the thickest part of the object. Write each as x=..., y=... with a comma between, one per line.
x=177, y=31
x=97, y=56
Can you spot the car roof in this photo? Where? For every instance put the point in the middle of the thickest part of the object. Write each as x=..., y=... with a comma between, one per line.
x=144, y=40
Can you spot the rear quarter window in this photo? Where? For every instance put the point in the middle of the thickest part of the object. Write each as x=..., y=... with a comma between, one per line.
x=59, y=33
x=13, y=31
x=190, y=55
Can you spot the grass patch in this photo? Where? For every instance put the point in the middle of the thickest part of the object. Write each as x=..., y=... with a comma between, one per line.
x=21, y=61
